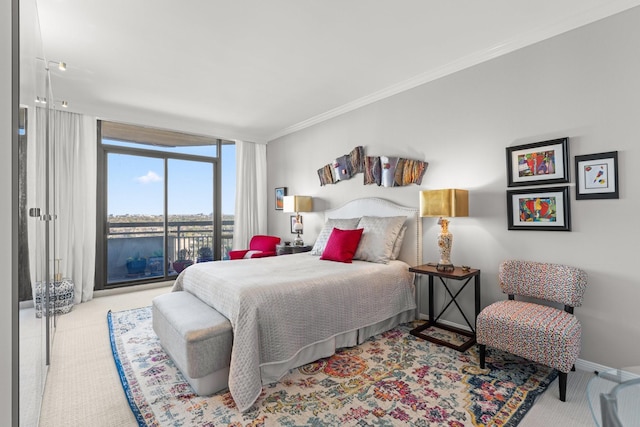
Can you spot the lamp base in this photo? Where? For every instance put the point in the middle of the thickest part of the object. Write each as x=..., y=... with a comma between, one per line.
x=445, y=240
x=445, y=267
x=298, y=241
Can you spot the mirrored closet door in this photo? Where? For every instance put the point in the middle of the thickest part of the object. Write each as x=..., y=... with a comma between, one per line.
x=37, y=222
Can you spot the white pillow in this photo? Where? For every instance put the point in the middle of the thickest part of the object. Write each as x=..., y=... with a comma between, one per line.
x=380, y=233
x=397, y=245
x=249, y=254
x=323, y=237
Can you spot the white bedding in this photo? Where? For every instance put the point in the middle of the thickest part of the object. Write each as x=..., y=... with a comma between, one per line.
x=281, y=305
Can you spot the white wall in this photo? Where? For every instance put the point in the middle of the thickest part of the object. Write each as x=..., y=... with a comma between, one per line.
x=8, y=304
x=584, y=85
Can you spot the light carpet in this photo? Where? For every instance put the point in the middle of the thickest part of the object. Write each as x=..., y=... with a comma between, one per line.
x=392, y=379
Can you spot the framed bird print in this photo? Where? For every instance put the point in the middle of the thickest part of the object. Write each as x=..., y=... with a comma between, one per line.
x=597, y=176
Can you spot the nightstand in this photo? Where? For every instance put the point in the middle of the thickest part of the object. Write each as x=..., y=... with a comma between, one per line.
x=291, y=249
x=457, y=274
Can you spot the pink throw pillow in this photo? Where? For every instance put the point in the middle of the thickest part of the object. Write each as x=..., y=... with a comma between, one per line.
x=342, y=245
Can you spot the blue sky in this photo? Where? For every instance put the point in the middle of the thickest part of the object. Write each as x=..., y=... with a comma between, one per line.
x=136, y=185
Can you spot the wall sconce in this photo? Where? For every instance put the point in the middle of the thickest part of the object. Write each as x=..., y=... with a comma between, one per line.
x=63, y=104
x=297, y=204
x=62, y=66
x=444, y=203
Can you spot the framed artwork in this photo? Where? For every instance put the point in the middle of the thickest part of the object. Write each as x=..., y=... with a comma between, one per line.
x=539, y=209
x=293, y=224
x=597, y=176
x=280, y=193
x=544, y=162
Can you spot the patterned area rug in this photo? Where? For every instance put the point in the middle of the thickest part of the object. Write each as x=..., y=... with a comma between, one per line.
x=392, y=379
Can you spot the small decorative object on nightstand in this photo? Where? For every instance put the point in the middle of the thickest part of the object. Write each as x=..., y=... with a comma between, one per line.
x=291, y=249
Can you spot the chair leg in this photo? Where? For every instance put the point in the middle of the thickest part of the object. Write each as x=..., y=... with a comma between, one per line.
x=483, y=353
x=562, y=382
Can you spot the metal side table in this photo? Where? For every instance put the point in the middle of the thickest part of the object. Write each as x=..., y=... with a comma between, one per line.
x=613, y=397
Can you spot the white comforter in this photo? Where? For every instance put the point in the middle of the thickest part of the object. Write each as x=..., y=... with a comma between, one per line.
x=279, y=305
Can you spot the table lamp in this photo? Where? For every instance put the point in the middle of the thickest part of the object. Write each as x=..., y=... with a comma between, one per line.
x=444, y=203
x=297, y=204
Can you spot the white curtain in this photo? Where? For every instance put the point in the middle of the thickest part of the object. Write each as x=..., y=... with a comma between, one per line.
x=251, y=193
x=74, y=151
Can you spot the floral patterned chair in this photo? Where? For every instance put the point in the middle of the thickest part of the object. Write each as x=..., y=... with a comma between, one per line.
x=541, y=333
x=260, y=246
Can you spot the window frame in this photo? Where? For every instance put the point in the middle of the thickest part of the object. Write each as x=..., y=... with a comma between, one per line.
x=103, y=150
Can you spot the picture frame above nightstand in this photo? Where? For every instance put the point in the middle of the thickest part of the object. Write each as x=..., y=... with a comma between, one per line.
x=280, y=192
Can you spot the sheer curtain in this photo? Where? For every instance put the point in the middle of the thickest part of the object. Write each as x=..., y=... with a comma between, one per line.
x=251, y=193
x=74, y=152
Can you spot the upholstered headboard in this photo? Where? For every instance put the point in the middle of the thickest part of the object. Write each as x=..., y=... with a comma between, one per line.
x=411, y=251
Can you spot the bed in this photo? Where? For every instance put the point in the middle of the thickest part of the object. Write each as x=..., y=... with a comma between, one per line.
x=290, y=310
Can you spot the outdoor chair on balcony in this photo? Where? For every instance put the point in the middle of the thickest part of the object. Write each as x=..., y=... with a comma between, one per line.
x=541, y=333
x=259, y=247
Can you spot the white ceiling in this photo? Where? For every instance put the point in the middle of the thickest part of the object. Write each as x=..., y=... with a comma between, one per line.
x=257, y=69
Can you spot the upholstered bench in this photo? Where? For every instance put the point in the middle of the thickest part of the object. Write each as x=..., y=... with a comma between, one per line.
x=196, y=337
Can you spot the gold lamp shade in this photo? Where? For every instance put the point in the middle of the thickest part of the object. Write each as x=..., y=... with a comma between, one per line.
x=297, y=204
x=450, y=202
x=444, y=203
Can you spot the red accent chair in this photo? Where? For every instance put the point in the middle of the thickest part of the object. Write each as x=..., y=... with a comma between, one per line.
x=259, y=247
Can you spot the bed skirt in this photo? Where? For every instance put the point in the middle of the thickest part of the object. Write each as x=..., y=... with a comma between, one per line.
x=272, y=372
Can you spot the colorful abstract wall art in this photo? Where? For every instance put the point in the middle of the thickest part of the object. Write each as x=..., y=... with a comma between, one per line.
x=537, y=163
x=537, y=209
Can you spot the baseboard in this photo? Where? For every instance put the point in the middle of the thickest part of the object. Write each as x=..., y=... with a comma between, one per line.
x=134, y=288
x=26, y=304
x=446, y=322
x=583, y=365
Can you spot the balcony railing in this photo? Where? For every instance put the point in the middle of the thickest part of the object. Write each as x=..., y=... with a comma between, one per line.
x=143, y=241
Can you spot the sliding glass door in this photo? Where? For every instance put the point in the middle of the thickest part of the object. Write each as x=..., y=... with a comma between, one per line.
x=191, y=222
x=135, y=205
x=160, y=213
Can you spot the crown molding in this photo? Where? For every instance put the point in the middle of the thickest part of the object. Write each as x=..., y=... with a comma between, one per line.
x=523, y=40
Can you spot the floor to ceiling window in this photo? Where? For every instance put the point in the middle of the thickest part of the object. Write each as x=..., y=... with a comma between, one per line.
x=165, y=201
